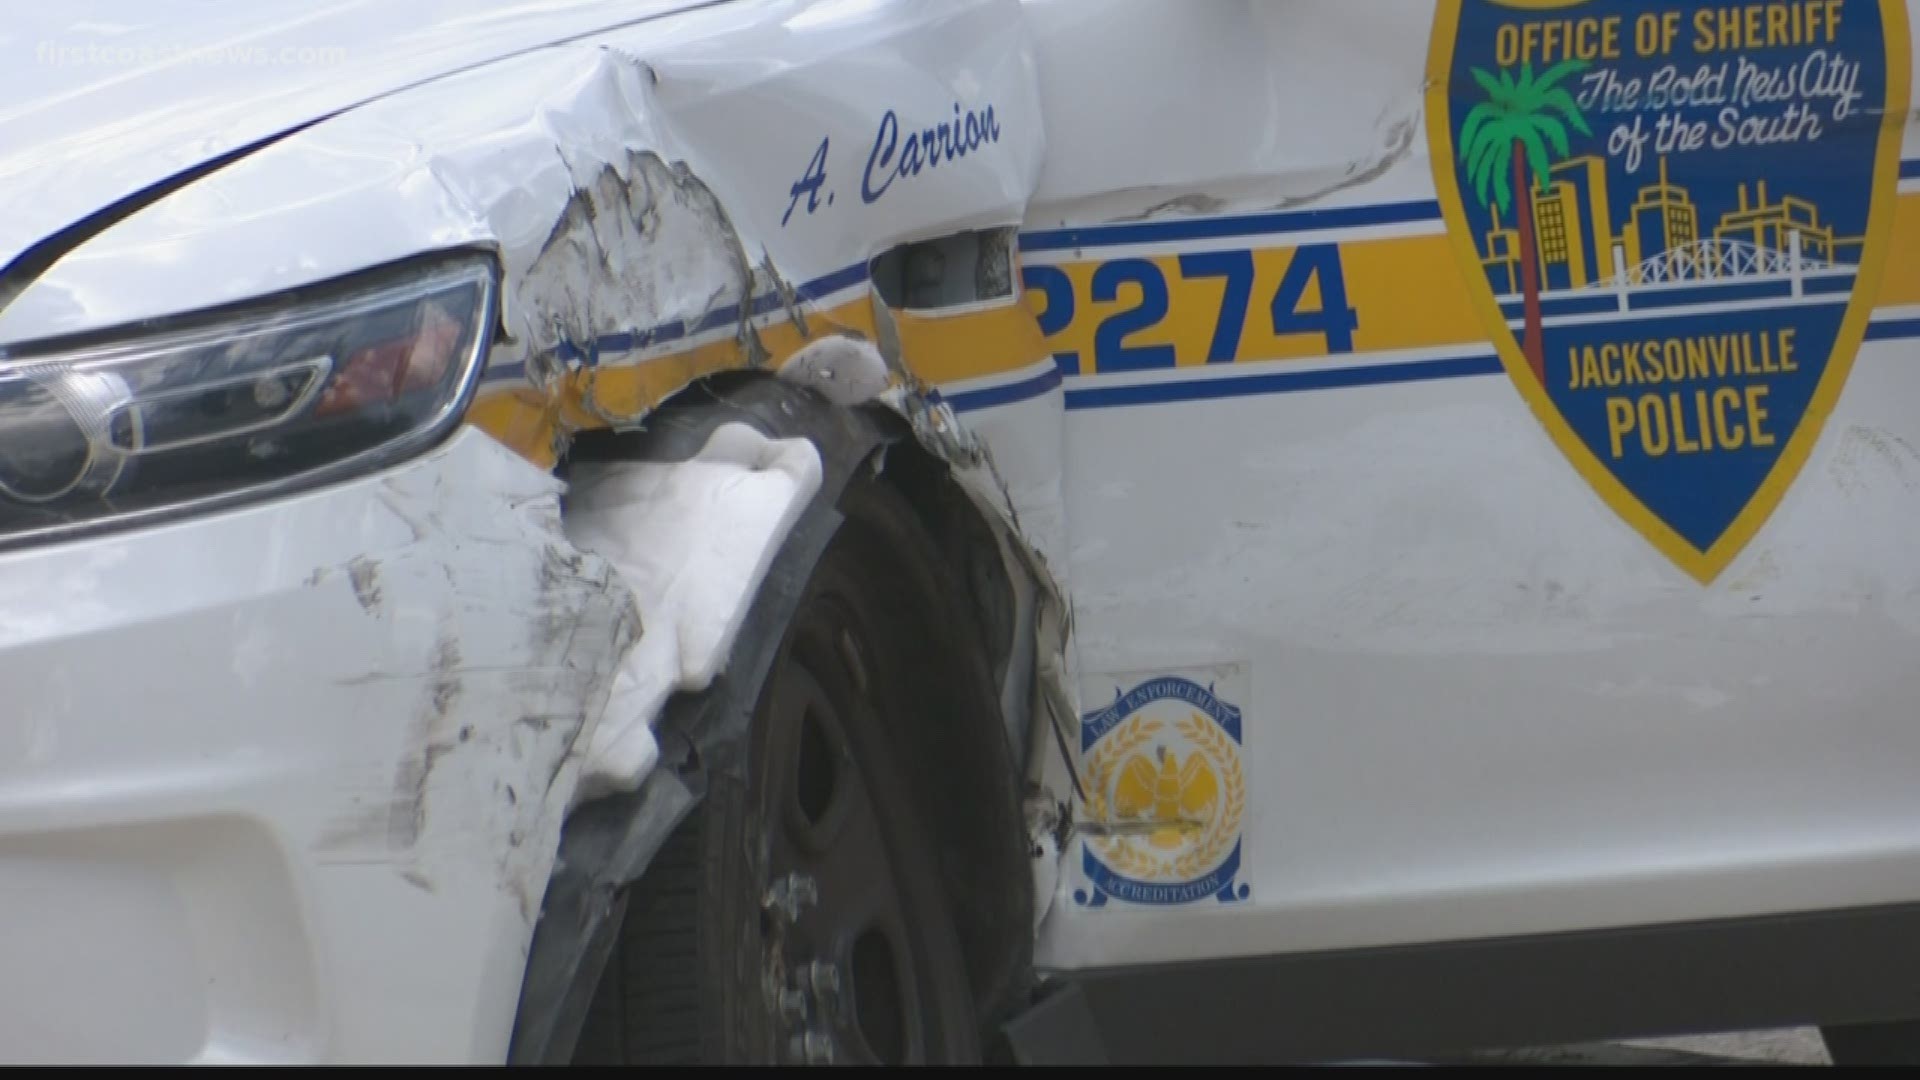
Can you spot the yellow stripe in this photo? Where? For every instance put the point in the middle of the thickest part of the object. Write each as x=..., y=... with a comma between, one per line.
x=536, y=424
x=949, y=348
x=523, y=419
x=938, y=348
x=1408, y=292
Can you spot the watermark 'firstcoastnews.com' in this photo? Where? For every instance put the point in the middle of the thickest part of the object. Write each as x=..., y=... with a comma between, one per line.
x=96, y=54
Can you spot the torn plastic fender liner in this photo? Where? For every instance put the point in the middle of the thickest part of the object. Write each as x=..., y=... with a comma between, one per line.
x=693, y=540
x=609, y=842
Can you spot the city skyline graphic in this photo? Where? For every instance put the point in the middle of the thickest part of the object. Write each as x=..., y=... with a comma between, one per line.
x=1581, y=243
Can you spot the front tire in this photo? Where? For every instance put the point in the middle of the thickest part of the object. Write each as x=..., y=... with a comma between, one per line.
x=800, y=914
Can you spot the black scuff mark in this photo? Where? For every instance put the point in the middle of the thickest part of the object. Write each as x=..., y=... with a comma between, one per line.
x=407, y=817
x=416, y=524
x=364, y=573
x=364, y=826
x=558, y=621
x=557, y=616
x=435, y=751
x=1196, y=203
x=559, y=565
x=1397, y=144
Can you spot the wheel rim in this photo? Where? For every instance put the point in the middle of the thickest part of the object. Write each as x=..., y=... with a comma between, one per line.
x=850, y=978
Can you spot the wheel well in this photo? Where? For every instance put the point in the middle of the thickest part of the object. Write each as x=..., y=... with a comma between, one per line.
x=969, y=776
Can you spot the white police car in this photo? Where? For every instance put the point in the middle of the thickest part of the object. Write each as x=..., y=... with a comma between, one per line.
x=930, y=530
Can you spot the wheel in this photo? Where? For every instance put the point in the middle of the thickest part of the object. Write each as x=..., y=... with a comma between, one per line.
x=1892, y=1043
x=800, y=914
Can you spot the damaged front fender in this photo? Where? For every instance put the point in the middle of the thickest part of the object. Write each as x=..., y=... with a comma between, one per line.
x=648, y=279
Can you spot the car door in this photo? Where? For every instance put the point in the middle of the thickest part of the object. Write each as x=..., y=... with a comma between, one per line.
x=1490, y=465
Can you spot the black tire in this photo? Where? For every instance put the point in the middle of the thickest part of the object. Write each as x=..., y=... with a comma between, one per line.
x=1892, y=1043
x=724, y=957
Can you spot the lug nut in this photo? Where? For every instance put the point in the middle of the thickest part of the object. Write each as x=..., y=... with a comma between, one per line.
x=810, y=1048
x=787, y=894
x=824, y=978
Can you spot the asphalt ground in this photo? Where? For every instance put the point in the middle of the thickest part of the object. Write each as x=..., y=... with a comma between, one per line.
x=1794, y=1046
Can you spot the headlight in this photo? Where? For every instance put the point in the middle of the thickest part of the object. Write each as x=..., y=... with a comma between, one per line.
x=304, y=390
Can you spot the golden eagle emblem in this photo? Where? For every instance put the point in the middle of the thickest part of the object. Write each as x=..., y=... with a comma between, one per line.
x=1178, y=796
x=1166, y=796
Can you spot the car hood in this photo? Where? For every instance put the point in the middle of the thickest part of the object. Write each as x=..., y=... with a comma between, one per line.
x=101, y=100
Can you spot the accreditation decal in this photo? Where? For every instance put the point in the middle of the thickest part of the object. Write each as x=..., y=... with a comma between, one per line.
x=1166, y=811
x=1672, y=216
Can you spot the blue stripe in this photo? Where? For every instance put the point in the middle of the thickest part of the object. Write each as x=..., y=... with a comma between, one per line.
x=1286, y=382
x=1910, y=170
x=844, y=278
x=622, y=341
x=1146, y=232
x=504, y=372
x=1563, y=305
x=1023, y=390
x=1821, y=285
x=1105, y=397
x=1893, y=328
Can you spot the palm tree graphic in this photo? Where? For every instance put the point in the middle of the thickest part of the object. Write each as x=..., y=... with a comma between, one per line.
x=1506, y=134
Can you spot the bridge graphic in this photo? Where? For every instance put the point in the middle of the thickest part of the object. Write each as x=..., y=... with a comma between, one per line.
x=1697, y=275
x=1714, y=260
